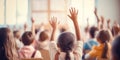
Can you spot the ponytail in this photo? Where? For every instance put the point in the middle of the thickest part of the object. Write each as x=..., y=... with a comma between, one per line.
x=105, y=50
x=67, y=57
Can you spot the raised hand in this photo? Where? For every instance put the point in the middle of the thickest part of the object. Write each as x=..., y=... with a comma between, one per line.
x=32, y=20
x=95, y=11
x=108, y=21
x=54, y=22
x=102, y=20
x=73, y=14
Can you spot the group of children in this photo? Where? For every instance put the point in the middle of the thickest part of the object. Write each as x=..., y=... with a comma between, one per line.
x=103, y=43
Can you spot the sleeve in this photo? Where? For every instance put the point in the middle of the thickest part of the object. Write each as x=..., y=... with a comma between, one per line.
x=85, y=46
x=78, y=48
x=93, y=52
x=52, y=49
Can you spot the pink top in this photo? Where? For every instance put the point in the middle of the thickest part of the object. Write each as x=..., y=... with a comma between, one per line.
x=27, y=52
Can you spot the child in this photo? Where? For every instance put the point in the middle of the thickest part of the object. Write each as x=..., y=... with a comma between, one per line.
x=17, y=39
x=7, y=45
x=103, y=49
x=43, y=40
x=65, y=49
x=28, y=51
x=116, y=49
x=92, y=41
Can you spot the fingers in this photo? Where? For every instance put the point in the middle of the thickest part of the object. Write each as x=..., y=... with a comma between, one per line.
x=69, y=16
x=54, y=22
x=73, y=11
x=95, y=11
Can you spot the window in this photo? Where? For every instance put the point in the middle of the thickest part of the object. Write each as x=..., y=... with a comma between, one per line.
x=2, y=12
x=42, y=10
x=13, y=12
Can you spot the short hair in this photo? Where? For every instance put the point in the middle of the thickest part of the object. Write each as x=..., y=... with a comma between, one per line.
x=43, y=36
x=27, y=38
x=92, y=31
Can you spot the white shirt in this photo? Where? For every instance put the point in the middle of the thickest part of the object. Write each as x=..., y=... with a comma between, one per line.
x=78, y=47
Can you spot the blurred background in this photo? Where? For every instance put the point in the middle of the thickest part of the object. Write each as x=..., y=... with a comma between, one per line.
x=16, y=13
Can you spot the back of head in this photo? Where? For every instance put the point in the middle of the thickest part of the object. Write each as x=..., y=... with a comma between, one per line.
x=116, y=49
x=103, y=38
x=43, y=36
x=66, y=43
x=16, y=34
x=92, y=31
x=27, y=38
x=7, y=45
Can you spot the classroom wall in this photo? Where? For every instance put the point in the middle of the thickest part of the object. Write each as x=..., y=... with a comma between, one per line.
x=110, y=9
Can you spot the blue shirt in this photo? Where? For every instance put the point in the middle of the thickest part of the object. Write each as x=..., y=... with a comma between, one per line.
x=89, y=44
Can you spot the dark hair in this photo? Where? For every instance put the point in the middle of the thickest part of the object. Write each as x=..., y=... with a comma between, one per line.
x=36, y=31
x=92, y=31
x=63, y=29
x=27, y=38
x=43, y=36
x=103, y=36
x=66, y=43
x=108, y=36
x=7, y=45
x=116, y=48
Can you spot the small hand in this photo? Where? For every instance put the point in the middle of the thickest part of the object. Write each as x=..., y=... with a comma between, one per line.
x=102, y=19
x=54, y=22
x=108, y=21
x=95, y=11
x=73, y=14
x=32, y=20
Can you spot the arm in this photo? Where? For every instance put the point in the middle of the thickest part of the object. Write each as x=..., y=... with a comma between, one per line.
x=98, y=20
x=53, y=22
x=33, y=26
x=88, y=22
x=25, y=27
x=102, y=25
x=53, y=46
x=73, y=17
x=108, y=23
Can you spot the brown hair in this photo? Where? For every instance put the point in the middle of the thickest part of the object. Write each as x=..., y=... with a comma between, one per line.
x=103, y=36
x=7, y=45
x=27, y=38
x=43, y=36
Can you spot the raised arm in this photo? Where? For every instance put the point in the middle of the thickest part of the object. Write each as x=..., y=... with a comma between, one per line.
x=108, y=23
x=95, y=12
x=54, y=23
x=98, y=19
x=33, y=26
x=73, y=17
